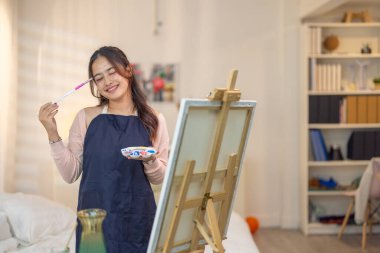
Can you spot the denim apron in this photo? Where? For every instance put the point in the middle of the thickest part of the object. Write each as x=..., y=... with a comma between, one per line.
x=117, y=184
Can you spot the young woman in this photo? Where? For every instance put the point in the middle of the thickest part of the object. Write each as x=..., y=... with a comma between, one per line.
x=109, y=180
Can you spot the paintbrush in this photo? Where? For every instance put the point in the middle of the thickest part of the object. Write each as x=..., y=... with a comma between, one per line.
x=71, y=91
x=71, y=235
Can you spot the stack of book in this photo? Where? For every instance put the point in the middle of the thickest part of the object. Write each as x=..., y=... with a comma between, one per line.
x=362, y=109
x=326, y=77
x=355, y=109
x=324, y=109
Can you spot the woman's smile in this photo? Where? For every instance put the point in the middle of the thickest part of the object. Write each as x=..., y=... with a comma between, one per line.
x=112, y=88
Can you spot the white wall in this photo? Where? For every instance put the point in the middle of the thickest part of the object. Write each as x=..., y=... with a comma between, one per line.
x=207, y=39
x=260, y=38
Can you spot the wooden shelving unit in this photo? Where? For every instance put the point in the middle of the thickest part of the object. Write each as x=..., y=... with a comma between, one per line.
x=332, y=202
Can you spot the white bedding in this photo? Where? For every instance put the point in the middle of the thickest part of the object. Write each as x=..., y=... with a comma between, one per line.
x=49, y=242
x=8, y=244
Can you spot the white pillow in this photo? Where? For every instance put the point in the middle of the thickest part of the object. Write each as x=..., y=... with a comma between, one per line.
x=5, y=232
x=32, y=218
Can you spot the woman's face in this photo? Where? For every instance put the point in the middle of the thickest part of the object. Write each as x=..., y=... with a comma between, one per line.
x=108, y=81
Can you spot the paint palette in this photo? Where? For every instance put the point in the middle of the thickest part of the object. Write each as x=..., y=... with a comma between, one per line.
x=138, y=152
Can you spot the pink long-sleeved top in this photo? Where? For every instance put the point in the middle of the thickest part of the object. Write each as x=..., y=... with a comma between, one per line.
x=68, y=159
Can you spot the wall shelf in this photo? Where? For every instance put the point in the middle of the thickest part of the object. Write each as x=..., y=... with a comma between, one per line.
x=345, y=56
x=345, y=25
x=319, y=228
x=327, y=193
x=344, y=163
x=344, y=93
x=344, y=126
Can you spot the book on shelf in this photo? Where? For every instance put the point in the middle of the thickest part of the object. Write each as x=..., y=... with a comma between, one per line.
x=372, y=109
x=322, y=145
x=313, y=109
x=334, y=109
x=377, y=109
x=363, y=145
x=324, y=109
x=339, y=75
x=323, y=84
x=313, y=146
x=312, y=74
x=351, y=109
x=362, y=109
x=369, y=145
x=315, y=40
x=343, y=111
x=377, y=144
x=318, y=145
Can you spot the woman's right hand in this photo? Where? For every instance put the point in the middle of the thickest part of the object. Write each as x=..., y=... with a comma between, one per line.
x=46, y=116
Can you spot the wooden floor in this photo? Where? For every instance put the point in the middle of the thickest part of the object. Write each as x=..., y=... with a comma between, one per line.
x=270, y=240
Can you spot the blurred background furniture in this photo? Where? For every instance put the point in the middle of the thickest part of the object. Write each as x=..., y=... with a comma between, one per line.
x=364, y=198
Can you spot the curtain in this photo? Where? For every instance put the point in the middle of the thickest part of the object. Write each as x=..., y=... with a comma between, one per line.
x=8, y=98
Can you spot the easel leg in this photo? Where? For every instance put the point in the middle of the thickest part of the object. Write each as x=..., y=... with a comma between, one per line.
x=179, y=205
x=228, y=188
x=216, y=241
x=215, y=231
x=207, y=238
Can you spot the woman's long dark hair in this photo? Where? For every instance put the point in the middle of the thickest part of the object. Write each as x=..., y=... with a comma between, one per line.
x=120, y=61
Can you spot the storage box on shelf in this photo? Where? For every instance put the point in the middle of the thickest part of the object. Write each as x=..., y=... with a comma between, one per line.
x=342, y=105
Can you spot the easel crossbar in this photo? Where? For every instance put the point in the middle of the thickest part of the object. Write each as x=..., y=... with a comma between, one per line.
x=200, y=176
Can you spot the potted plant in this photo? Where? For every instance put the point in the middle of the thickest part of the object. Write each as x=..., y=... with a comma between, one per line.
x=376, y=81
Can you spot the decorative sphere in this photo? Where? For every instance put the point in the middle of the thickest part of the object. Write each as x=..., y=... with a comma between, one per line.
x=253, y=224
x=331, y=42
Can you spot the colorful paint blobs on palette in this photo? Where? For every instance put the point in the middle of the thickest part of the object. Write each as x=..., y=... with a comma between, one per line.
x=138, y=152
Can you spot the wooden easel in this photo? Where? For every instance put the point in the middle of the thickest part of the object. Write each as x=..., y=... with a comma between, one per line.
x=211, y=232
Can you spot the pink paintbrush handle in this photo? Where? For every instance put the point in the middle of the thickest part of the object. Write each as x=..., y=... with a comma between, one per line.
x=80, y=85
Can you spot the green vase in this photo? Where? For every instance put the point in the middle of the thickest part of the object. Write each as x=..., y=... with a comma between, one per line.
x=92, y=240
